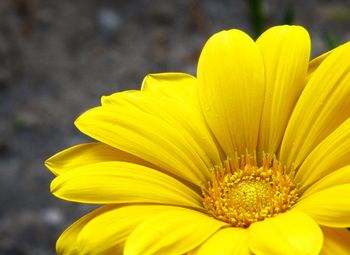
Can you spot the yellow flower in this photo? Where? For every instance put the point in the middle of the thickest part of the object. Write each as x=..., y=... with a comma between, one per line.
x=249, y=157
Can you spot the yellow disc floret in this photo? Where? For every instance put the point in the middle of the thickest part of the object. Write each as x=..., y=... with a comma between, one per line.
x=241, y=193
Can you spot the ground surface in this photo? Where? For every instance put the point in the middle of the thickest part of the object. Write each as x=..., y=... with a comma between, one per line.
x=57, y=58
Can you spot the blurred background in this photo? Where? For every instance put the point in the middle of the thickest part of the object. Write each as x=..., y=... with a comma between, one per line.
x=57, y=58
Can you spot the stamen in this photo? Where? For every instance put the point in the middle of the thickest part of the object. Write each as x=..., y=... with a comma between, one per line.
x=241, y=193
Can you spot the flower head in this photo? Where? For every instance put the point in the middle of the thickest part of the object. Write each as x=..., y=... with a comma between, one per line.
x=249, y=157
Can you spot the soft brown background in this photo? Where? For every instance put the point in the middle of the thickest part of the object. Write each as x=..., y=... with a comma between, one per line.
x=57, y=58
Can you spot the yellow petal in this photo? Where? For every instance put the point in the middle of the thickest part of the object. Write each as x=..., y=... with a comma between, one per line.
x=338, y=177
x=332, y=153
x=89, y=153
x=328, y=207
x=286, y=52
x=316, y=62
x=176, y=231
x=336, y=241
x=107, y=232
x=226, y=241
x=291, y=233
x=67, y=243
x=186, y=118
x=231, y=80
x=179, y=86
x=322, y=107
x=146, y=136
x=122, y=182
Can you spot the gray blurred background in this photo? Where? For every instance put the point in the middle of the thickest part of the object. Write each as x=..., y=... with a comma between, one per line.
x=57, y=58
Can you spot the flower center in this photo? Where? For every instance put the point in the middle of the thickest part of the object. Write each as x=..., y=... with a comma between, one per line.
x=241, y=193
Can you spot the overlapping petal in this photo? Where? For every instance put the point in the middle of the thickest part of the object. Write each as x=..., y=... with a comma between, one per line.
x=291, y=233
x=181, y=116
x=107, y=232
x=145, y=136
x=316, y=62
x=285, y=51
x=332, y=153
x=336, y=241
x=175, y=231
x=226, y=241
x=328, y=207
x=231, y=88
x=87, y=154
x=122, y=182
x=166, y=131
x=323, y=105
x=338, y=177
x=179, y=86
x=67, y=243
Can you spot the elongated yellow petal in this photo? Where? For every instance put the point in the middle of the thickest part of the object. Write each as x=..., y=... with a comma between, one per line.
x=316, y=62
x=328, y=207
x=336, y=241
x=180, y=116
x=145, y=136
x=107, y=232
x=226, y=241
x=231, y=87
x=89, y=153
x=291, y=233
x=67, y=243
x=180, y=86
x=338, y=177
x=286, y=52
x=332, y=153
x=322, y=107
x=122, y=182
x=176, y=231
